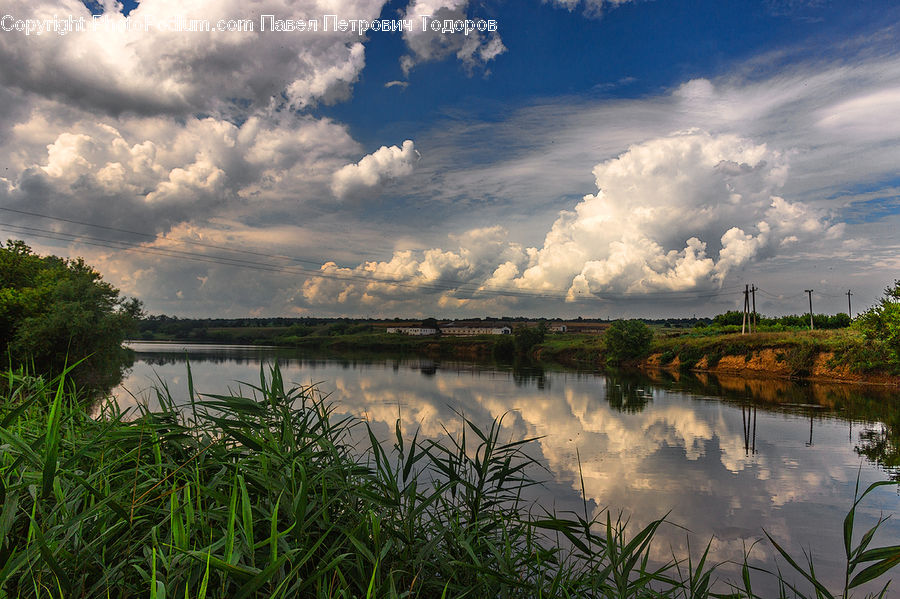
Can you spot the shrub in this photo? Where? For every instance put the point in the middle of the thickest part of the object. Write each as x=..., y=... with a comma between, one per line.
x=688, y=356
x=627, y=340
x=841, y=320
x=527, y=337
x=801, y=359
x=504, y=347
x=881, y=322
x=732, y=317
x=55, y=310
x=667, y=356
x=713, y=358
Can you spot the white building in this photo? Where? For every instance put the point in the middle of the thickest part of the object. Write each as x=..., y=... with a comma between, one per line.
x=418, y=331
x=469, y=331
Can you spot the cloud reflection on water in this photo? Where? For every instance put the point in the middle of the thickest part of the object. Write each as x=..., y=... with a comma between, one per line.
x=645, y=447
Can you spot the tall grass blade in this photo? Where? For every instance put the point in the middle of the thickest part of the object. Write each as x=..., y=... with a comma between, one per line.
x=51, y=444
x=818, y=586
x=877, y=569
x=204, y=584
x=190, y=382
x=60, y=576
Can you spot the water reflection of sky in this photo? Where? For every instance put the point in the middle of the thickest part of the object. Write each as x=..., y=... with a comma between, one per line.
x=645, y=448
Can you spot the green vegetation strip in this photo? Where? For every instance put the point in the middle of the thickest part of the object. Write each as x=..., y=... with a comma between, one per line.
x=264, y=496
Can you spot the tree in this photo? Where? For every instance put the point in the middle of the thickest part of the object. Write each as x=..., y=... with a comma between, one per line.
x=841, y=320
x=732, y=317
x=881, y=322
x=525, y=337
x=55, y=311
x=431, y=323
x=626, y=340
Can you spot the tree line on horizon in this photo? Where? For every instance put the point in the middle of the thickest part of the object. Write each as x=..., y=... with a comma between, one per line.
x=56, y=311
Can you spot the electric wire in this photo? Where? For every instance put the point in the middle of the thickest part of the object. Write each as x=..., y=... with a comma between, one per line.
x=459, y=287
x=227, y=261
x=221, y=260
x=453, y=284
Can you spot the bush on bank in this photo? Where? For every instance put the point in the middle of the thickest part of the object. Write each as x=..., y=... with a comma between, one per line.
x=55, y=311
x=626, y=340
x=880, y=324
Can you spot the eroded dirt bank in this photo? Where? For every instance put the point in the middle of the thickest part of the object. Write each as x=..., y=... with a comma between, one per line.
x=773, y=363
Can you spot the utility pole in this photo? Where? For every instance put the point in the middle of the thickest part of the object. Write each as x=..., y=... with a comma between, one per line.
x=810, y=291
x=746, y=318
x=753, y=293
x=849, y=308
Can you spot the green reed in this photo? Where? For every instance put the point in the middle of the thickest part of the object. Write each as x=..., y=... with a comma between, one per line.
x=263, y=494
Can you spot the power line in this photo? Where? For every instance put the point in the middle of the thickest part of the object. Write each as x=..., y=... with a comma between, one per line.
x=472, y=289
x=316, y=263
x=153, y=236
x=223, y=260
x=437, y=285
x=830, y=295
x=777, y=296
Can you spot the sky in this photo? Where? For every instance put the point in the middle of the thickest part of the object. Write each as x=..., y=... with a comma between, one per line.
x=562, y=158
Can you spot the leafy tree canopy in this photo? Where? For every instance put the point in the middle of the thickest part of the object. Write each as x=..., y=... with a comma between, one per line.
x=881, y=322
x=527, y=337
x=627, y=340
x=55, y=311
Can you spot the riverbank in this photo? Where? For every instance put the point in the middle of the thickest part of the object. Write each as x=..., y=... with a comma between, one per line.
x=836, y=355
x=772, y=362
x=841, y=355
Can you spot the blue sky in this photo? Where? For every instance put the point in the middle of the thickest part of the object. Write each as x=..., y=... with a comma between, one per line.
x=635, y=50
x=591, y=157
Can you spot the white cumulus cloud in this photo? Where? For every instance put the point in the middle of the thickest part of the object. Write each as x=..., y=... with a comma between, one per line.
x=474, y=49
x=150, y=173
x=158, y=71
x=671, y=214
x=452, y=278
x=375, y=168
x=676, y=213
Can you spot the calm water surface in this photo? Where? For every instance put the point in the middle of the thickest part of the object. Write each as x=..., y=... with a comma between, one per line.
x=725, y=456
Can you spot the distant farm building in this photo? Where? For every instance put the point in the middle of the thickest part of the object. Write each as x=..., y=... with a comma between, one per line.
x=417, y=331
x=471, y=330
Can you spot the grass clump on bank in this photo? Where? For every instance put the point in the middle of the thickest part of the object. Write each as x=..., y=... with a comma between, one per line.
x=264, y=496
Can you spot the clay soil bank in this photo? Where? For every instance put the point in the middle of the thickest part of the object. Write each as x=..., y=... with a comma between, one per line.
x=771, y=362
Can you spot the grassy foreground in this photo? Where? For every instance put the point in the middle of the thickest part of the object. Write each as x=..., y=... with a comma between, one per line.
x=264, y=496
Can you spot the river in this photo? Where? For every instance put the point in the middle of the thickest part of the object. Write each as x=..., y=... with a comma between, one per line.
x=724, y=457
